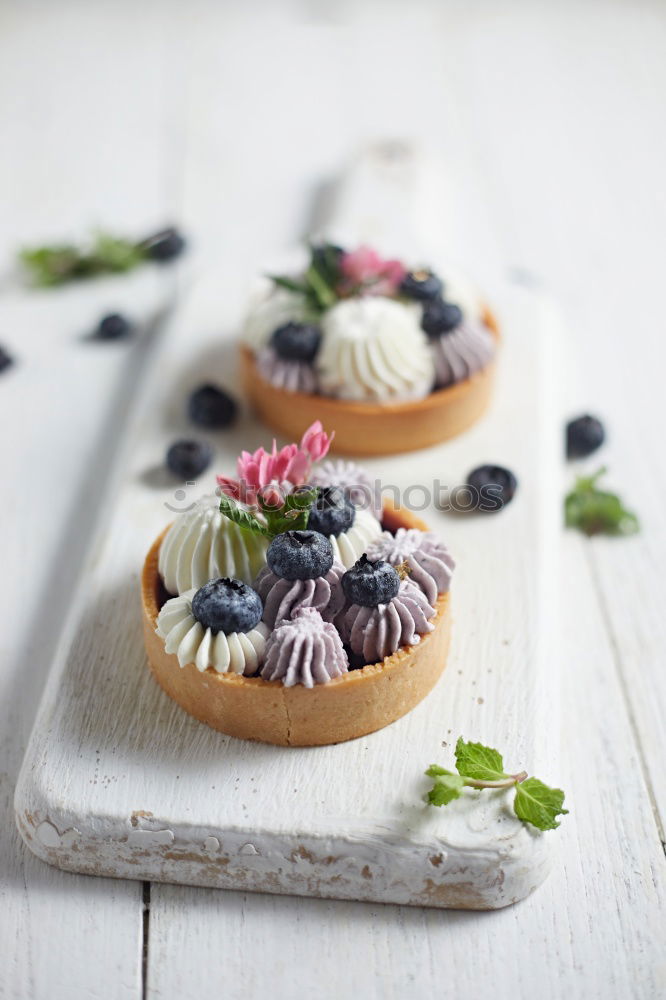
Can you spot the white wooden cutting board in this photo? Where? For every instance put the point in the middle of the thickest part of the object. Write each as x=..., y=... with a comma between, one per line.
x=119, y=781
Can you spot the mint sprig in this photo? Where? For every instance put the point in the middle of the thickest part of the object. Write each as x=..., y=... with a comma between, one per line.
x=292, y=515
x=242, y=517
x=479, y=766
x=319, y=283
x=595, y=512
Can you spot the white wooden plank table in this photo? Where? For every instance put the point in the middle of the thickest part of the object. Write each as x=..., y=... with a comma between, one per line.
x=550, y=117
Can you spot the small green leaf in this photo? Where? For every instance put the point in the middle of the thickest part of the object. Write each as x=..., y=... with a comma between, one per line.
x=435, y=770
x=474, y=760
x=594, y=511
x=291, y=284
x=294, y=514
x=233, y=510
x=320, y=288
x=538, y=804
x=446, y=786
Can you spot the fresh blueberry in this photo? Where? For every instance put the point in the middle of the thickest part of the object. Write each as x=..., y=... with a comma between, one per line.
x=227, y=605
x=440, y=317
x=165, y=245
x=584, y=435
x=188, y=459
x=424, y=286
x=209, y=406
x=494, y=485
x=332, y=512
x=114, y=326
x=6, y=360
x=300, y=555
x=296, y=341
x=370, y=583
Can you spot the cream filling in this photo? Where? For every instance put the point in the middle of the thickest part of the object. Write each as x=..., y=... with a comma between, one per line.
x=203, y=545
x=374, y=349
x=238, y=652
x=351, y=544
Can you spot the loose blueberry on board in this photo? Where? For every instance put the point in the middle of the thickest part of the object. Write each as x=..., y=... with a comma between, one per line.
x=332, y=512
x=440, y=317
x=494, y=485
x=227, y=605
x=165, y=245
x=370, y=583
x=296, y=341
x=424, y=286
x=584, y=435
x=300, y=555
x=6, y=360
x=113, y=326
x=209, y=406
x=188, y=459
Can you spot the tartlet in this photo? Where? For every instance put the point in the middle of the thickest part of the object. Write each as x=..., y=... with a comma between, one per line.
x=352, y=703
x=384, y=357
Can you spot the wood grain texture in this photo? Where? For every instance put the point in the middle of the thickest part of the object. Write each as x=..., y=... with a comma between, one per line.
x=550, y=121
x=287, y=820
x=76, y=155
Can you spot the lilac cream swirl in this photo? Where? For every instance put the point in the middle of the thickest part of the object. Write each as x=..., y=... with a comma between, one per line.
x=376, y=632
x=429, y=563
x=462, y=352
x=353, y=480
x=292, y=376
x=304, y=650
x=283, y=598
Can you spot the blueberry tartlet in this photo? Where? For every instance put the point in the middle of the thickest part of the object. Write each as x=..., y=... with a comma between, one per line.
x=287, y=608
x=385, y=353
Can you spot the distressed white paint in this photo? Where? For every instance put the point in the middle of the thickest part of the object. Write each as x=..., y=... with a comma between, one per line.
x=345, y=821
x=550, y=116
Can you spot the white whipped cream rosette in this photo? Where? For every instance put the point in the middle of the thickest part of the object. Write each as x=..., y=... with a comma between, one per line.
x=374, y=350
x=202, y=544
x=270, y=307
x=349, y=545
x=236, y=652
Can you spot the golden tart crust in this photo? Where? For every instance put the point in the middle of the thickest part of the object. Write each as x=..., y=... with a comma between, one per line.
x=251, y=708
x=374, y=428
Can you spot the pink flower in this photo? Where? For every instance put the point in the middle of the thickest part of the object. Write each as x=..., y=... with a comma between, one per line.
x=316, y=441
x=369, y=274
x=286, y=468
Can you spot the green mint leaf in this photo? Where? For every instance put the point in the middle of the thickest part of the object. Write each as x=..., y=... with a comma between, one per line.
x=473, y=760
x=594, y=511
x=60, y=263
x=321, y=291
x=294, y=514
x=112, y=254
x=538, y=804
x=325, y=257
x=447, y=786
x=291, y=284
x=233, y=510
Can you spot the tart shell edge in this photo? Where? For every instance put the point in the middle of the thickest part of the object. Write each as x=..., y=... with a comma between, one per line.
x=374, y=428
x=360, y=702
